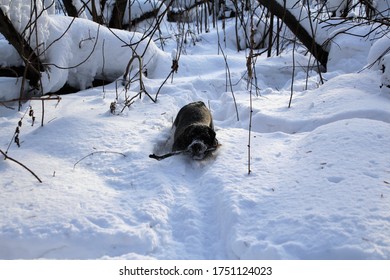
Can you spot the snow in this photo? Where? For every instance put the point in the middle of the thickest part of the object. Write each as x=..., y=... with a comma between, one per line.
x=379, y=58
x=86, y=41
x=319, y=186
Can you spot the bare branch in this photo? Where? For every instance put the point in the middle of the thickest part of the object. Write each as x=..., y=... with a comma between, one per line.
x=21, y=164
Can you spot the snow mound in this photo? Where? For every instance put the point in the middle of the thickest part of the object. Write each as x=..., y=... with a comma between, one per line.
x=88, y=51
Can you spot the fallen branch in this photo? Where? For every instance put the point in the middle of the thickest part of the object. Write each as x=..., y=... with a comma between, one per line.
x=21, y=164
x=97, y=152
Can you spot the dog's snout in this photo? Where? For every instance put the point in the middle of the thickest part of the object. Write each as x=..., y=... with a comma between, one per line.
x=197, y=150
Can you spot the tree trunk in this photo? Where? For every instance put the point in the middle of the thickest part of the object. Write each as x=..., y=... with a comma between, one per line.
x=98, y=17
x=32, y=62
x=317, y=50
x=70, y=8
x=118, y=13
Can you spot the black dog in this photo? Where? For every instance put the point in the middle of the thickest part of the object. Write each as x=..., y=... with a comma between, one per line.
x=194, y=131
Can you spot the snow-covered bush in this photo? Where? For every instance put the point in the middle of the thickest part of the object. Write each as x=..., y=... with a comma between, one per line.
x=88, y=50
x=76, y=51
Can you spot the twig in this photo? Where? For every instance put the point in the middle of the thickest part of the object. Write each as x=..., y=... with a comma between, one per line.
x=292, y=77
x=250, y=67
x=126, y=83
x=6, y=106
x=228, y=76
x=97, y=152
x=21, y=164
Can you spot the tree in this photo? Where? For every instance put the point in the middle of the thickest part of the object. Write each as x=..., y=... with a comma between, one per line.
x=299, y=22
x=118, y=13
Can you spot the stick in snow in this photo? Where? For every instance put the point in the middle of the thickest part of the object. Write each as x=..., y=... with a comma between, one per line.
x=156, y=157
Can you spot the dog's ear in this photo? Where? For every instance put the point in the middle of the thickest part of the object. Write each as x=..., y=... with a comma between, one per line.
x=212, y=135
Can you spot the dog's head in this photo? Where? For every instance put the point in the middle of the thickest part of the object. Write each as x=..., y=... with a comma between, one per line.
x=199, y=139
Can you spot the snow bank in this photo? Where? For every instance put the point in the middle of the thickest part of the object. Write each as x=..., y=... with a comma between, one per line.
x=87, y=51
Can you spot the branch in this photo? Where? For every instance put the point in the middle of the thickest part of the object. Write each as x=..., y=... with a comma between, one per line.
x=21, y=164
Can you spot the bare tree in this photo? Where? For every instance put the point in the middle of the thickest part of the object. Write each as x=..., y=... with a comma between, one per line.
x=70, y=8
x=118, y=13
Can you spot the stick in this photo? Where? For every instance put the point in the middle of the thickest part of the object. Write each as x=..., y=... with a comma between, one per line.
x=156, y=157
x=21, y=164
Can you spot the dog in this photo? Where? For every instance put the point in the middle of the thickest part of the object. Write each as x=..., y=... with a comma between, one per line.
x=194, y=131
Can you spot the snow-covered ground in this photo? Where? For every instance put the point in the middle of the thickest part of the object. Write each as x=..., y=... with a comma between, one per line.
x=319, y=186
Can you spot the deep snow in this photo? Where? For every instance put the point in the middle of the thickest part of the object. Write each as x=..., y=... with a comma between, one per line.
x=319, y=186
